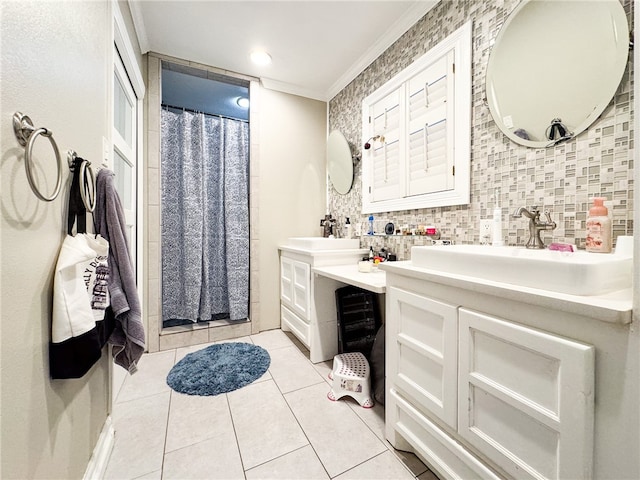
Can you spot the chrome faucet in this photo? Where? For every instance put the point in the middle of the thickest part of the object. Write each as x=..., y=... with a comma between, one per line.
x=535, y=225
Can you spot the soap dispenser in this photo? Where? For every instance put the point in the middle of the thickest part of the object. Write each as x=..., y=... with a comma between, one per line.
x=348, y=229
x=598, y=228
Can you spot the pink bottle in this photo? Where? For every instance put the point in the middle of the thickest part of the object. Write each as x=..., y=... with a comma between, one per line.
x=598, y=227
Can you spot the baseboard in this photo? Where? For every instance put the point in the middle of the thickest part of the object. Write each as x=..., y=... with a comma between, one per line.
x=101, y=453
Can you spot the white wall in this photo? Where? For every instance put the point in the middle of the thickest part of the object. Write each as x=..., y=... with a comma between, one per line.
x=292, y=175
x=56, y=65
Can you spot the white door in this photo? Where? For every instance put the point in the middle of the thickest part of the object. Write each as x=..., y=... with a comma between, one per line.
x=124, y=155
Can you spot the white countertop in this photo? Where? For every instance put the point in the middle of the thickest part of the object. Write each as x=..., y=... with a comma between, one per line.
x=374, y=281
x=614, y=307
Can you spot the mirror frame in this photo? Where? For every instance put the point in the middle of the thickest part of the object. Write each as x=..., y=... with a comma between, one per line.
x=541, y=36
x=339, y=162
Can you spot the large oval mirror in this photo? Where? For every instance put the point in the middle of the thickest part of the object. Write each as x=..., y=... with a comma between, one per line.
x=339, y=162
x=555, y=67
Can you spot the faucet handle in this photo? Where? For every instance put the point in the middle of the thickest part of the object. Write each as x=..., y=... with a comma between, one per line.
x=548, y=215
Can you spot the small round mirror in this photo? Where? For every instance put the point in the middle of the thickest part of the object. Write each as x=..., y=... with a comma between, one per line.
x=339, y=162
x=555, y=67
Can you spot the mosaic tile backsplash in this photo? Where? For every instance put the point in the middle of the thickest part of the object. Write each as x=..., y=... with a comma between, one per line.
x=561, y=179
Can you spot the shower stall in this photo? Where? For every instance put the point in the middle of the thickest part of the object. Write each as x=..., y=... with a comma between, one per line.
x=204, y=197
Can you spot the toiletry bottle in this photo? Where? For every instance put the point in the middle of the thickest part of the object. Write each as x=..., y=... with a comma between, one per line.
x=496, y=227
x=371, y=254
x=348, y=229
x=370, y=225
x=598, y=227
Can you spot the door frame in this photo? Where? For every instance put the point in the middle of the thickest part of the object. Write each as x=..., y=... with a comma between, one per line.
x=123, y=46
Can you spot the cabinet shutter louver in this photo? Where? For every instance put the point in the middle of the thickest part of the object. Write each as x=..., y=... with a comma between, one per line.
x=419, y=126
x=430, y=156
x=386, y=155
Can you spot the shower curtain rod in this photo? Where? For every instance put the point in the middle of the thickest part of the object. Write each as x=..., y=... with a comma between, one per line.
x=185, y=109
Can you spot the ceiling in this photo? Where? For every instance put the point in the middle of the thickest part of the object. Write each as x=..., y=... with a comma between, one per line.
x=318, y=47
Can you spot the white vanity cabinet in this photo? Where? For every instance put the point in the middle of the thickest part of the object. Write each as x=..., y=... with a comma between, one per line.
x=481, y=384
x=306, y=311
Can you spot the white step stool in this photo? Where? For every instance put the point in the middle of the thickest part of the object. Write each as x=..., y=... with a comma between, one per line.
x=351, y=376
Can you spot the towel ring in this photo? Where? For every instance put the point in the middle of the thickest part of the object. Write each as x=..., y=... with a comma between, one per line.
x=89, y=199
x=26, y=134
x=88, y=196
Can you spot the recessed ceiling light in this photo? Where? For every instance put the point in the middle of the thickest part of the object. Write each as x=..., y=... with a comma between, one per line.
x=243, y=102
x=260, y=57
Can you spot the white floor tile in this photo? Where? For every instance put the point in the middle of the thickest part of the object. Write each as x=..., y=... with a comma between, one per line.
x=428, y=475
x=291, y=370
x=213, y=459
x=184, y=351
x=271, y=339
x=302, y=464
x=157, y=475
x=246, y=339
x=193, y=418
x=373, y=417
x=339, y=437
x=413, y=463
x=255, y=431
x=151, y=377
x=382, y=467
x=140, y=433
x=324, y=368
x=265, y=427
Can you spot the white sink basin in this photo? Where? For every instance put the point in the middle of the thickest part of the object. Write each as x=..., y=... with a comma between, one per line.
x=575, y=273
x=323, y=243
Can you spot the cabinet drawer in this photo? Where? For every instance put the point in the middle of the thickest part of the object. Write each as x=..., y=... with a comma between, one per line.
x=422, y=351
x=294, y=323
x=443, y=454
x=526, y=398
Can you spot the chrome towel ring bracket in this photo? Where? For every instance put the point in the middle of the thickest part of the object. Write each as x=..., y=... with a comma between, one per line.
x=87, y=188
x=26, y=134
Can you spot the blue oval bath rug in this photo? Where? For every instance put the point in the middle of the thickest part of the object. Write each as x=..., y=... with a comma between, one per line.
x=219, y=368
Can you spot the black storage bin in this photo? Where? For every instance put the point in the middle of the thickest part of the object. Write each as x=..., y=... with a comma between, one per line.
x=358, y=319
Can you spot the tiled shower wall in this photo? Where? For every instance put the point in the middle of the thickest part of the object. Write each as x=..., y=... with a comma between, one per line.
x=561, y=179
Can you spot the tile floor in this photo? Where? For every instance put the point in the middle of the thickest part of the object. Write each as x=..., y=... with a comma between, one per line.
x=282, y=426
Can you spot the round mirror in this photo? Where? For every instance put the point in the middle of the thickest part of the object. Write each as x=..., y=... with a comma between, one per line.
x=555, y=67
x=339, y=162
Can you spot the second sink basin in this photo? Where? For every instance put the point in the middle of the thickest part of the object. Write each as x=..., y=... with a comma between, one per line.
x=575, y=273
x=323, y=243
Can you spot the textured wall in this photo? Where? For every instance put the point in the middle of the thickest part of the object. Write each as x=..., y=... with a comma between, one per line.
x=562, y=179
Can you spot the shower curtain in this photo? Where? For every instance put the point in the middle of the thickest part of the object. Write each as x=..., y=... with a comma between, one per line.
x=205, y=217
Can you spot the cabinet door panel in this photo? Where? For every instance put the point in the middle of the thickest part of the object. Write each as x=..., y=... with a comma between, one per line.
x=286, y=281
x=423, y=353
x=526, y=398
x=301, y=289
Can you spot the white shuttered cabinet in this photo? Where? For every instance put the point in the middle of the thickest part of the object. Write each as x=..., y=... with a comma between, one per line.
x=420, y=120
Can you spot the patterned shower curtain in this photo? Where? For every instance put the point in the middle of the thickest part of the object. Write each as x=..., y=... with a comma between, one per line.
x=205, y=217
